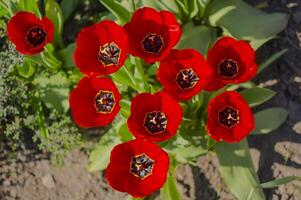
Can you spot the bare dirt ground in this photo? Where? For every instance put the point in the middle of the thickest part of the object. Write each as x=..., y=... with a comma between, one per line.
x=32, y=177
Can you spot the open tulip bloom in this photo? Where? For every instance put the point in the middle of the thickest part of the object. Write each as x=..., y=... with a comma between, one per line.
x=162, y=101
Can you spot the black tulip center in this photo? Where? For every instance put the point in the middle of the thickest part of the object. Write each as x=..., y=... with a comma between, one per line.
x=109, y=54
x=155, y=122
x=104, y=101
x=142, y=166
x=186, y=79
x=36, y=36
x=229, y=117
x=228, y=68
x=152, y=43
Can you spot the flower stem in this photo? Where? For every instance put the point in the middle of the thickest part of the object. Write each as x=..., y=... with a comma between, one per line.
x=142, y=75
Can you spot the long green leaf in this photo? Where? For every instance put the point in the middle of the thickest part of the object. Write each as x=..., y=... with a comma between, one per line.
x=246, y=22
x=280, y=181
x=269, y=119
x=49, y=59
x=68, y=6
x=125, y=76
x=117, y=9
x=270, y=60
x=66, y=55
x=100, y=156
x=27, y=69
x=30, y=6
x=237, y=170
x=197, y=37
x=170, y=190
x=256, y=96
x=54, y=12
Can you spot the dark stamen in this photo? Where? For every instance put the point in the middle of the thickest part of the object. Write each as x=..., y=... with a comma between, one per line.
x=186, y=79
x=36, y=36
x=109, y=54
x=155, y=122
x=104, y=101
x=229, y=117
x=142, y=166
x=228, y=68
x=152, y=43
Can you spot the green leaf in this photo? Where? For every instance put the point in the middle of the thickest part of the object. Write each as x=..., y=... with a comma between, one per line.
x=280, y=181
x=117, y=9
x=270, y=60
x=162, y=5
x=218, y=15
x=126, y=77
x=184, y=154
x=30, y=6
x=257, y=43
x=49, y=59
x=54, y=12
x=245, y=85
x=54, y=91
x=256, y=96
x=125, y=108
x=100, y=155
x=27, y=69
x=197, y=37
x=68, y=6
x=124, y=133
x=140, y=75
x=169, y=190
x=67, y=55
x=193, y=8
x=12, y=7
x=269, y=120
x=246, y=22
x=237, y=170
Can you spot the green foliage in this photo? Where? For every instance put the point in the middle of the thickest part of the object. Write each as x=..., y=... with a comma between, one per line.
x=100, y=155
x=30, y=6
x=237, y=170
x=270, y=60
x=269, y=120
x=15, y=116
x=197, y=37
x=27, y=69
x=118, y=10
x=253, y=23
x=53, y=11
x=68, y=6
x=19, y=116
x=63, y=136
x=49, y=58
x=126, y=77
x=53, y=91
x=169, y=190
x=256, y=96
x=280, y=181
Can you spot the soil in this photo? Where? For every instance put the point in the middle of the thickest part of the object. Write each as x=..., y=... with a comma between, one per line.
x=32, y=177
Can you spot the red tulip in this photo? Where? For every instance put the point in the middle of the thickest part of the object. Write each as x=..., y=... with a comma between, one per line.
x=155, y=117
x=94, y=102
x=229, y=117
x=232, y=61
x=29, y=33
x=152, y=34
x=184, y=73
x=137, y=167
x=101, y=49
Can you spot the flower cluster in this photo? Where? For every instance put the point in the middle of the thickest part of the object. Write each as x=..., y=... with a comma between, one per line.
x=139, y=167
